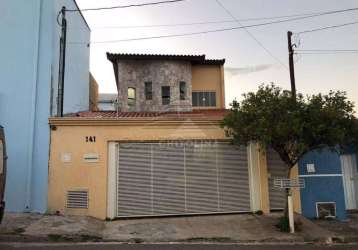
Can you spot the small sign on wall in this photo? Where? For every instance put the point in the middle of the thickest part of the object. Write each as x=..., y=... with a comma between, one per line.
x=66, y=157
x=91, y=157
x=310, y=168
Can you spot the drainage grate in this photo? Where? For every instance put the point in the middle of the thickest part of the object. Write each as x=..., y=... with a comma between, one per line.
x=77, y=199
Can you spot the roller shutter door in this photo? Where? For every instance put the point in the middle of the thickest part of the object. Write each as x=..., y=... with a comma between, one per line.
x=181, y=178
x=276, y=169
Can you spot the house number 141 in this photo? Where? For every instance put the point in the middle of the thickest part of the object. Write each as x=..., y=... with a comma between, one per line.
x=90, y=138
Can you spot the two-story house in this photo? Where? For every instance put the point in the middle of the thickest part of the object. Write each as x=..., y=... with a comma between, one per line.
x=162, y=152
x=29, y=69
x=162, y=83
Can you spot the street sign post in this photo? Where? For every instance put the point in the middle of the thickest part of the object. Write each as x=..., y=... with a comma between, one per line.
x=286, y=183
x=289, y=183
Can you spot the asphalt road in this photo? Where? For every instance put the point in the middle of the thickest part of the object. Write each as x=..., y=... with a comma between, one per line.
x=170, y=247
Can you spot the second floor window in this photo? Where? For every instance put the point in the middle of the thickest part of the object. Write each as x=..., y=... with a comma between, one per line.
x=165, y=95
x=131, y=97
x=204, y=99
x=182, y=90
x=148, y=90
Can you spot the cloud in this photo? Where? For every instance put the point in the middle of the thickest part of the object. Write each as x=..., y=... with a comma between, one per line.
x=248, y=70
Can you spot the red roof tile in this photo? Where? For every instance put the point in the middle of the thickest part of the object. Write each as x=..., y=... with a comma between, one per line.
x=120, y=115
x=195, y=59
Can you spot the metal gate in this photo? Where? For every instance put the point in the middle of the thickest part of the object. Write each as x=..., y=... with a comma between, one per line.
x=181, y=178
x=276, y=169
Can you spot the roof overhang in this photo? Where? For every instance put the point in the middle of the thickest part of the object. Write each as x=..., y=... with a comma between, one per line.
x=150, y=122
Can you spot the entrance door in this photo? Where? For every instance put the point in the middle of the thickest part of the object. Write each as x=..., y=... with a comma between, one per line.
x=350, y=181
x=181, y=178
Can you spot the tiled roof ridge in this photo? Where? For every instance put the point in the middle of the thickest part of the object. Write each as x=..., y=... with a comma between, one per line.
x=115, y=114
x=198, y=59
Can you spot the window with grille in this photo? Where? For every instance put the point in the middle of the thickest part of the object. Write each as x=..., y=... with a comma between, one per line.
x=182, y=90
x=204, y=99
x=148, y=90
x=131, y=97
x=165, y=95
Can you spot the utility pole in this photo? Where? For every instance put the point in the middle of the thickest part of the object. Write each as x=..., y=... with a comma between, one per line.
x=291, y=65
x=62, y=63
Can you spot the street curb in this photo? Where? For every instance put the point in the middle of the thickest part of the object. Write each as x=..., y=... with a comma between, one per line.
x=79, y=239
x=345, y=239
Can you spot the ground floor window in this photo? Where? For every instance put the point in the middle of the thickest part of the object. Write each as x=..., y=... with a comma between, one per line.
x=204, y=99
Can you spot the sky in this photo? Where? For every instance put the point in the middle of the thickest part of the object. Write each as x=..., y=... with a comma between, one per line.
x=247, y=64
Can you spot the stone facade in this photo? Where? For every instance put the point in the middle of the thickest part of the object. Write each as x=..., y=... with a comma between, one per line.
x=134, y=73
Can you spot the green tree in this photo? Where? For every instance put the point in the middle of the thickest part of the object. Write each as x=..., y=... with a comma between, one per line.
x=292, y=127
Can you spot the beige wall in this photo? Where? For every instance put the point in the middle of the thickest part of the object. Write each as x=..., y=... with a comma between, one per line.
x=209, y=78
x=93, y=94
x=68, y=135
x=265, y=199
x=296, y=195
x=70, y=138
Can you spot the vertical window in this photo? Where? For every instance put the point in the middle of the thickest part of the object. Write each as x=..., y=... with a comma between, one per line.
x=212, y=99
x=131, y=97
x=148, y=91
x=165, y=95
x=182, y=90
x=195, y=99
x=204, y=99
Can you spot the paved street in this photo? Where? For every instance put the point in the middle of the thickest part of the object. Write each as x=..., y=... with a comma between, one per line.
x=172, y=247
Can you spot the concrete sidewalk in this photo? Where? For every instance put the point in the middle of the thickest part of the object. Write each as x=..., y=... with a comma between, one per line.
x=343, y=231
x=242, y=228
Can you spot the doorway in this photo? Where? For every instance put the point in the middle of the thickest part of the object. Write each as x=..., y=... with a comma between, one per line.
x=350, y=181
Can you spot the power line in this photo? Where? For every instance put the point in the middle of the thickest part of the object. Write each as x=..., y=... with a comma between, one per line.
x=327, y=27
x=206, y=22
x=327, y=50
x=251, y=35
x=219, y=30
x=126, y=6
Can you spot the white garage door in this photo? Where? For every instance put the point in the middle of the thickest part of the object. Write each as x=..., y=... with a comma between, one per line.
x=181, y=178
x=276, y=169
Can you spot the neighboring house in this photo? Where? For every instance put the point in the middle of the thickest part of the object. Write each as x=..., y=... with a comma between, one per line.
x=163, y=152
x=331, y=183
x=107, y=102
x=28, y=93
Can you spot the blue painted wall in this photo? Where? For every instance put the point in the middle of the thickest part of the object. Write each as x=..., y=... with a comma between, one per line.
x=322, y=188
x=28, y=70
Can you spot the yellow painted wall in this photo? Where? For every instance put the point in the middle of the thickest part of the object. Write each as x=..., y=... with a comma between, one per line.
x=296, y=192
x=70, y=137
x=209, y=78
x=264, y=184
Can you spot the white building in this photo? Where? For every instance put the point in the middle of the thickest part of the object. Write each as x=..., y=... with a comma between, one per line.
x=28, y=94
